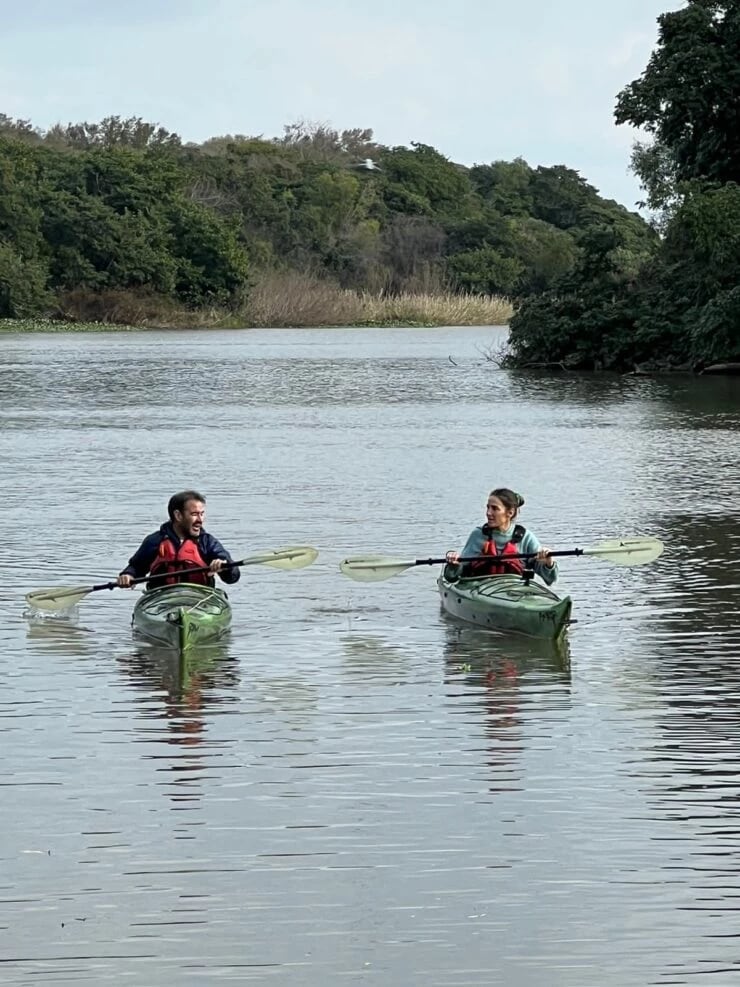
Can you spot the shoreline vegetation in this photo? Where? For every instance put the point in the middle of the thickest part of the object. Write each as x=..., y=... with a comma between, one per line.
x=121, y=222
x=275, y=301
x=676, y=308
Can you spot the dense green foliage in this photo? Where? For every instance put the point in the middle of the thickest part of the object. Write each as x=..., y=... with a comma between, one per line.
x=126, y=206
x=679, y=306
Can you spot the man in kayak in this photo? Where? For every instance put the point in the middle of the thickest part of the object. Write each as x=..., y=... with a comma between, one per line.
x=181, y=543
x=499, y=537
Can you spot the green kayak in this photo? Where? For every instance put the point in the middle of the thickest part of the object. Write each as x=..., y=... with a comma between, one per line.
x=182, y=616
x=504, y=603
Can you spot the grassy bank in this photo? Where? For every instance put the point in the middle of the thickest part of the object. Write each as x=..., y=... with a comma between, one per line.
x=296, y=300
x=54, y=325
x=275, y=301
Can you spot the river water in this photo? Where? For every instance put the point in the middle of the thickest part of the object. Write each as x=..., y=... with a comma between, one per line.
x=353, y=789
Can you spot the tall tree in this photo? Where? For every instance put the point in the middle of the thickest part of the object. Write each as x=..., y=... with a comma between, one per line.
x=688, y=100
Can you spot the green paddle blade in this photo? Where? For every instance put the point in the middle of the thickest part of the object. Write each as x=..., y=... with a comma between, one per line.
x=627, y=551
x=373, y=568
x=292, y=557
x=55, y=599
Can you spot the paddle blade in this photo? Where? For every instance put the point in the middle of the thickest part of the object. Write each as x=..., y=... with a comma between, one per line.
x=627, y=551
x=373, y=568
x=56, y=598
x=292, y=557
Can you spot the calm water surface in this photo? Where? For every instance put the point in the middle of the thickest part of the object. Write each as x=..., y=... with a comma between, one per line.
x=352, y=789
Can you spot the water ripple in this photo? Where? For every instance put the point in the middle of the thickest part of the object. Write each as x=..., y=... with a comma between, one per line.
x=353, y=788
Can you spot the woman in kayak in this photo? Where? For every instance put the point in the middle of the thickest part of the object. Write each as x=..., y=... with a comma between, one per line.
x=500, y=537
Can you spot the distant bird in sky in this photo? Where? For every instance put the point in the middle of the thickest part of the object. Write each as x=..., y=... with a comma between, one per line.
x=367, y=165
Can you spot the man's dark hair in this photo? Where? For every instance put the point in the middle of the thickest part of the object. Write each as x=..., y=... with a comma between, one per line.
x=179, y=500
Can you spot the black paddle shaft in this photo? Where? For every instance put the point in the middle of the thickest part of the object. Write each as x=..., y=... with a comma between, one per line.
x=498, y=558
x=183, y=572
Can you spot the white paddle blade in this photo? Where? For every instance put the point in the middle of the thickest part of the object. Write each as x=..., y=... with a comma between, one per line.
x=292, y=557
x=627, y=551
x=55, y=599
x=373, y=568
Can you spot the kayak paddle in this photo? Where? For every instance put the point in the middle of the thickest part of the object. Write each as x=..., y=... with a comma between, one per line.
x=620, y=551
x=63, y=598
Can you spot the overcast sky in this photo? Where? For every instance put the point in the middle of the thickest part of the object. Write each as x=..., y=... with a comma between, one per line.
x=480, y=80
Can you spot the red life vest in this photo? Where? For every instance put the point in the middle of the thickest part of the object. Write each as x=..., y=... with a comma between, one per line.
x=514, y=567
x=171, y=560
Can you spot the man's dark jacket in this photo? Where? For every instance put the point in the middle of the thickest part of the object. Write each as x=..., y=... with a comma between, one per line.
x=209, y=547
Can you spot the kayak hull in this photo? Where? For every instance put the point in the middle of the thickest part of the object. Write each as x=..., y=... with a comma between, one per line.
x=505, y=603
x=183, y=616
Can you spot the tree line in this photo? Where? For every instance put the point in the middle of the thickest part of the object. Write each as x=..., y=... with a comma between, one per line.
x=678, y=306
x=124, y=205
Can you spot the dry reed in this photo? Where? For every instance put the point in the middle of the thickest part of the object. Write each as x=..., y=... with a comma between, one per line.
x=286, y=299
x=298, y=300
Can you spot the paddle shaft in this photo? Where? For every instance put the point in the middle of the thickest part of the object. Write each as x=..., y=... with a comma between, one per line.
x=143, y=579
x=619, y=551
x=497, y=558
